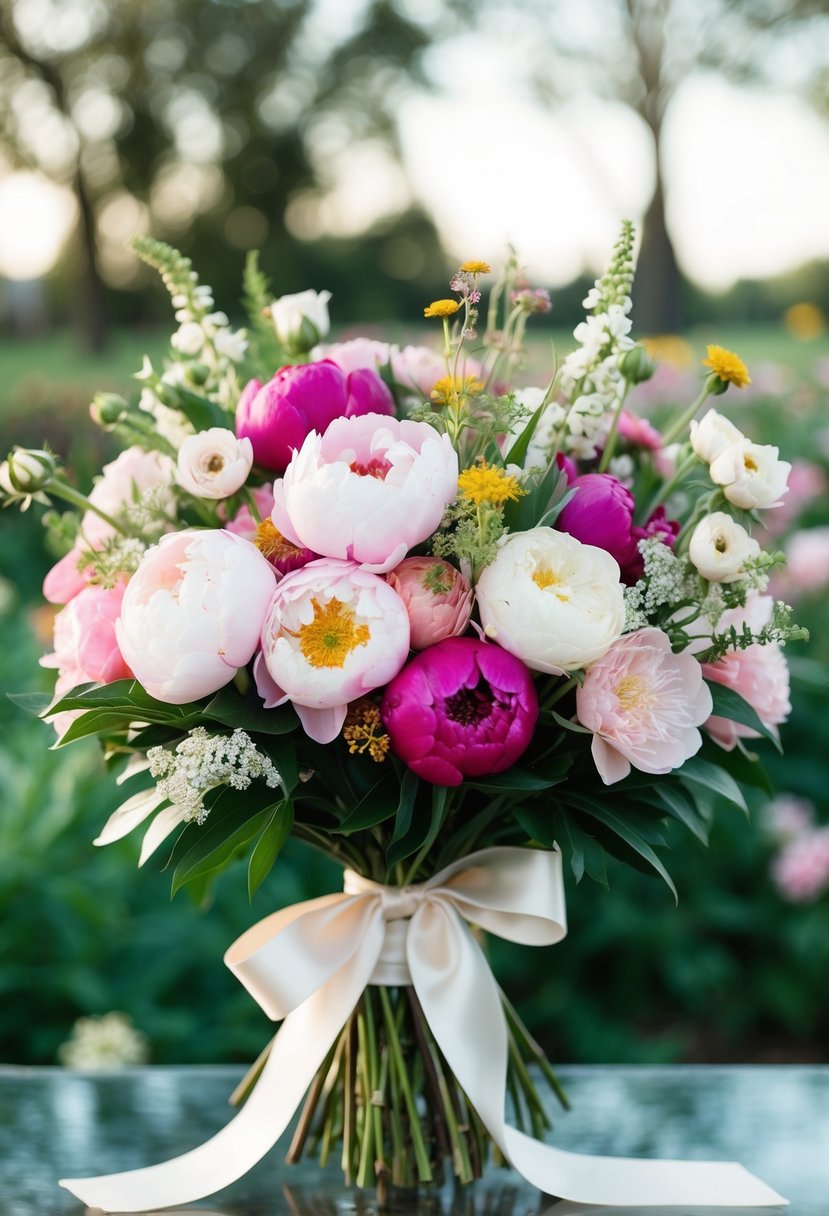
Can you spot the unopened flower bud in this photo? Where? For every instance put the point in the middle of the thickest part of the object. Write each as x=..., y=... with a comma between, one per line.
x=27, y=471
x=197, y=373
x=107, y=409
x=635, y=365
x=301, y=320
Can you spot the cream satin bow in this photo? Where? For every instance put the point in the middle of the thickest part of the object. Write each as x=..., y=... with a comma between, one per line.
x=310, y=963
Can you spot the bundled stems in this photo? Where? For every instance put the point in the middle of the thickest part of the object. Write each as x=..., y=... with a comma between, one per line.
x=387, y=1100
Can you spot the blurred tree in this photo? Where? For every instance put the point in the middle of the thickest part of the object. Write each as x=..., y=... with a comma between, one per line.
x=215, y=123
x=638, y=53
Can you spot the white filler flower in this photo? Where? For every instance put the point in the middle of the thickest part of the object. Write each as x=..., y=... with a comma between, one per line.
x=552, y=601
x=214, y=463
x=720, y=548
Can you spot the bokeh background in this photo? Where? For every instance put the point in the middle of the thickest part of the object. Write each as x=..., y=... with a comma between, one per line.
x=366, y=146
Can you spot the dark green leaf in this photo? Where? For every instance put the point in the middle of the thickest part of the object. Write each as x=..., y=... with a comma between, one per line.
x=575, y=727
x=538, y=822
x=204, y=847
x=743, y=766
x=276, y=831
x=248, y=713
x=31, y=702
x=631, y=835
x=681, y=806
x=729, y=704
x=128, y=698
x=713, y=777
x=376, y=806
x=512, y=779
x=405, y=841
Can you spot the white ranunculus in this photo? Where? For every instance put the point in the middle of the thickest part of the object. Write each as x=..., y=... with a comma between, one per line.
x=551, y=601
x=711, y=434
x=214, y=463
x=720, y=548
x=751, y=474
x=301, y=320
x=192, y=613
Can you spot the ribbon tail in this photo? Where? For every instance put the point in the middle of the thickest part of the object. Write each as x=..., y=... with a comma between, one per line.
x=462, y=1005
x=301, y=1045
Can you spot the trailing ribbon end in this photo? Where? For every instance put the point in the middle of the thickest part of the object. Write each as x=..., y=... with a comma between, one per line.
x=311, y=963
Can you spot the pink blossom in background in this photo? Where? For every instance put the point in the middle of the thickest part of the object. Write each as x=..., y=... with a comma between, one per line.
x=787, y=815
x=418, y=368
x=368, y=490
x=462, y=708
x=438, y=599
x=276, y=417
x=356, y=353
x=333, y=632
x=639, y=432
x=807, y=482
x=807, y=561
x=86, y=650
x=759, y=674
x=801, y=869
x=644, y=704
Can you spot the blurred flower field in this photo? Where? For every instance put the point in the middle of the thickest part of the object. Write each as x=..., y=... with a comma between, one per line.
x=735, y=973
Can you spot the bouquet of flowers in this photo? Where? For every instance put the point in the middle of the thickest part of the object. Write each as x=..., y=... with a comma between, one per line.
x=452, y=633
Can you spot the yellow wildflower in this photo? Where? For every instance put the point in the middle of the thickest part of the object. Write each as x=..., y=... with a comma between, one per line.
x=474, y=267
x=441, y=308
x=488, y=483
x=363, y=731
x=450, y=389
x=727, y=366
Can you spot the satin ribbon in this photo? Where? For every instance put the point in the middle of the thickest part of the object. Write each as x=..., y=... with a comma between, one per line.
x=309, y=965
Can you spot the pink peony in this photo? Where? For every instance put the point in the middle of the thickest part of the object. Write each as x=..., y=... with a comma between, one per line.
x=807, y=561
x=333, y=632
x=277, y=416
x=463, y=708
x=438, y=599
x=759, y=674
x=801, y=869
x=368, y=490
x=192, y=613
x=600, y=513
x=787, y=816
x=418, y=368
x=644, y=705
x=134, y=472
x=86, y=649
x=355, y=354
x=639, y=432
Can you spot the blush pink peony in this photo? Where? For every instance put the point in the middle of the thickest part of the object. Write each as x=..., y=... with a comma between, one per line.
x=644, y=704
x=438, y=599
x=192, y=613
x=333, y=632
x=801, y=869
x=759, y=674
x=367, y=491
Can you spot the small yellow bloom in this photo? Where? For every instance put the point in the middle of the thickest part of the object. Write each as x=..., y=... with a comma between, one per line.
x=476, y=267
x=488, y=483
x=728, y=366
x=450, y=389
x=441, y=308
x=363, y=731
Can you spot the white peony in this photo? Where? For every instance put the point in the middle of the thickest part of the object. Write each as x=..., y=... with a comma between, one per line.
x=712, y=434
x=301, y=320
x=720, y=548
x=214, y=463
x=551, y=601
x=751, y=474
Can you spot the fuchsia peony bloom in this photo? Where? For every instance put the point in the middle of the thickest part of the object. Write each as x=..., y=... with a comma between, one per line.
x=438, y=599
x=759, y=674
x=367, y=491
x=277, y=416
x=463, y=708
x=333, y=633
x=644, y=705
x=600, y=513
x=192, y=613
x=86, y=650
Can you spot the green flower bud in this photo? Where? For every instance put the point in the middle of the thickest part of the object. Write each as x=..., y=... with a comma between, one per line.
x=108, y=408
x=28, y=470
x=636, y=366
x=197, y=373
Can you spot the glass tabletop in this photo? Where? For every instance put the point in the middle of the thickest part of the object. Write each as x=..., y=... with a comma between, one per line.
x=55, y=1123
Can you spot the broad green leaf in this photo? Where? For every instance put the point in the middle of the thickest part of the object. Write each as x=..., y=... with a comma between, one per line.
x=587, y=856
x=227, y=809
x=626, y=832
x=512, y=779
x=248, y=713
x=729, y=704
x=276, y=831
x=217, y=856
x=31, y=702
x=128, y=698
x=703, y=772
x=95, y=722
x=519, y=449
x=403, y=841
x=416, y=839
x=539, y=822
x=680, y=805
x=744, y=767
x=199, y=411
x=376, y=806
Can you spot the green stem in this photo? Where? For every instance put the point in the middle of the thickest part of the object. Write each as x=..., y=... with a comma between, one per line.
x=61, y=489
x=365, y=1169
x=610, y=442
x=559, y=693
x=684, y=419
x=421, y=1156
x=683, y=468
x=529, y=1044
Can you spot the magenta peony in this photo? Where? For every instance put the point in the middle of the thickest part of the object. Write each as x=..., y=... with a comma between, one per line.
x=463, y=708
x=277, y=416
x=438, y=599
x=600, y=513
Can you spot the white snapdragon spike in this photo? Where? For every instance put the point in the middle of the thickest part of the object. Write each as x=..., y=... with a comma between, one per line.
x=170, y=424
x=231, y=343
x=720, y=548
x=188, y=339
x=214, y=463
x=712, y=434
x=301, y=320
x=751, y=474
x=551, y=601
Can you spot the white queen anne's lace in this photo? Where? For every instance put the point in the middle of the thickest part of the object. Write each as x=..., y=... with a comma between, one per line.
x=203, y=761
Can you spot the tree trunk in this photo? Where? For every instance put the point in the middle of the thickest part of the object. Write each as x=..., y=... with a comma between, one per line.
x=658, y=307
x=93, y=314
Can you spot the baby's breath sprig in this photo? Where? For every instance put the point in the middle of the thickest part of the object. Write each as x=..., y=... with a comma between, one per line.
x=203, y=761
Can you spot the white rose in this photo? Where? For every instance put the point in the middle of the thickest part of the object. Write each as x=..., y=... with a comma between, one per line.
x=551, y=601
x=188, y=339
x=214, y=463
x=301, y=320
x=711, y=434
x=751, y=474
x=720, y=548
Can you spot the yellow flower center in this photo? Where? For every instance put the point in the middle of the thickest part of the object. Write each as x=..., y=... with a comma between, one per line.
x=487, y=483
x=474, y=267
x=728, y=366
x=272, y=544
x=363, y=732
x=544, y=578
x=329, y=639
x=441, y=308
x=750, y=464
x=632, y=692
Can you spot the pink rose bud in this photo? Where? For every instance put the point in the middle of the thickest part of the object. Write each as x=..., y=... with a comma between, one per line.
x=438, y=599
x=277, y=416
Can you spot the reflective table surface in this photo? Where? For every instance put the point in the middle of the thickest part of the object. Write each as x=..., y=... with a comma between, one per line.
x=54, y=1124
